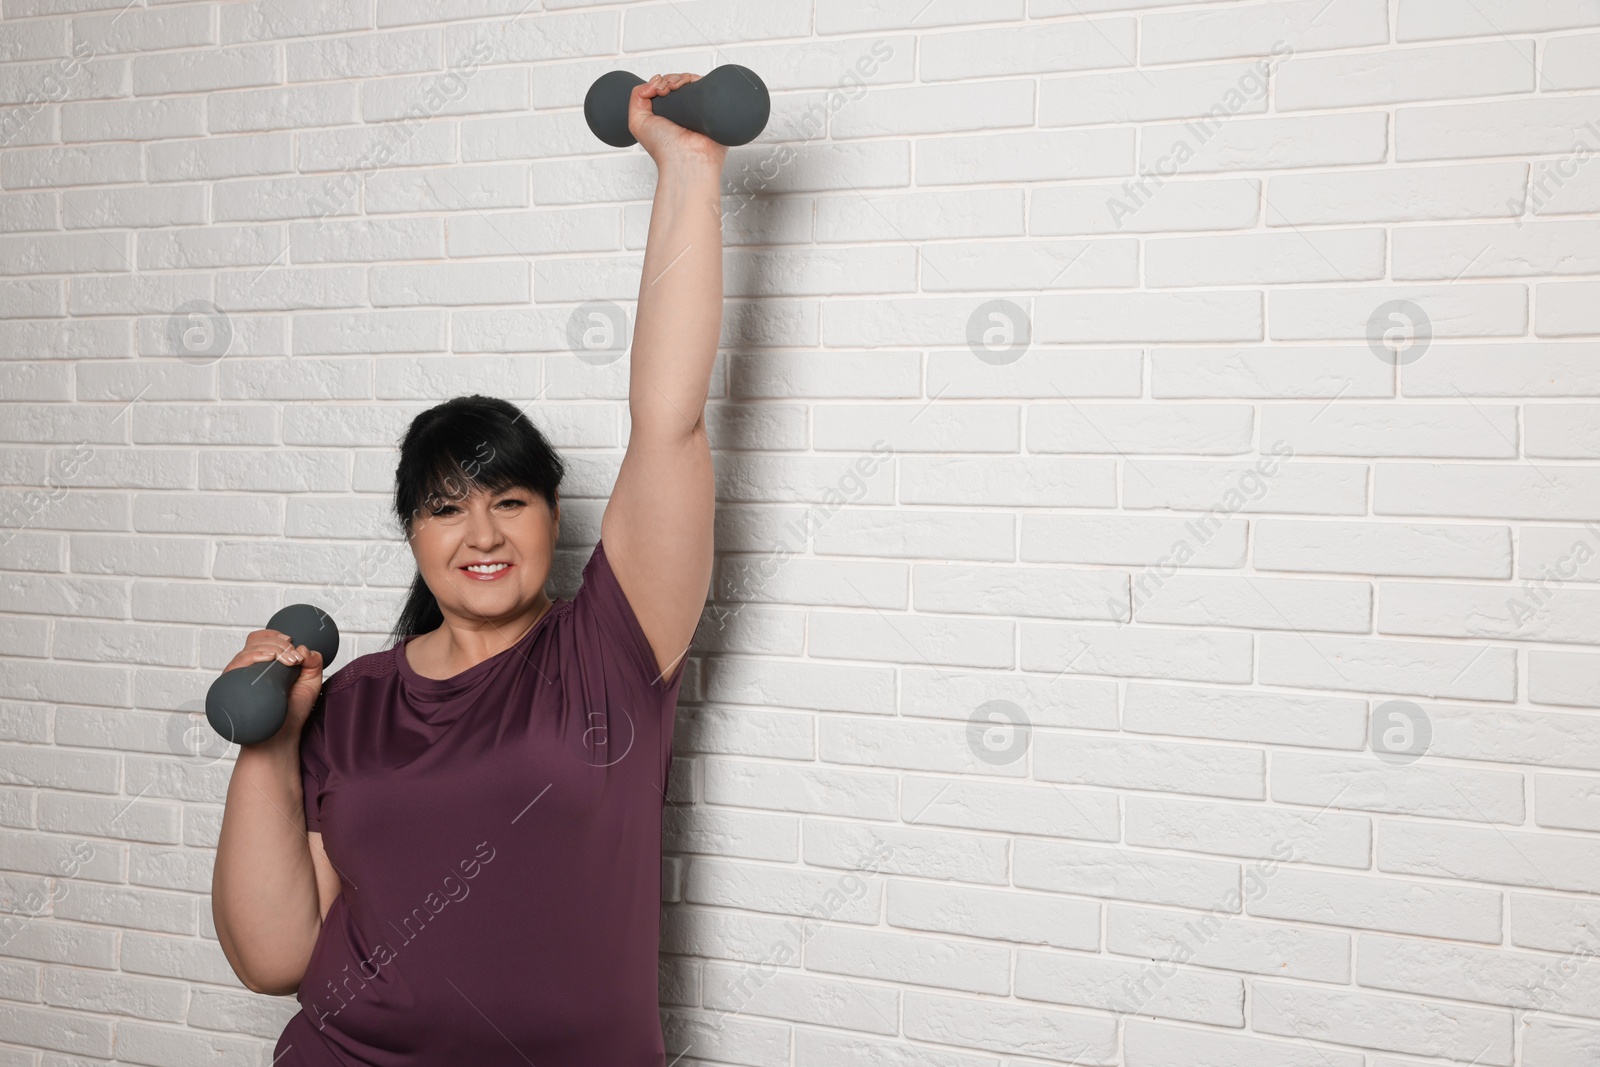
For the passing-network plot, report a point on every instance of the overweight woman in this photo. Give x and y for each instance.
(452, 851)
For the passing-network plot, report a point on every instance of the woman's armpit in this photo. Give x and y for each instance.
(327, 878)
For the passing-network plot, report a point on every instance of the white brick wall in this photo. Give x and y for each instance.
(1055, 683)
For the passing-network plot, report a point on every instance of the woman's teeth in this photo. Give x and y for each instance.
(488, 568)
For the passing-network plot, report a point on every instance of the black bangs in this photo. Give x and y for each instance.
(469, 443)
(450, 476)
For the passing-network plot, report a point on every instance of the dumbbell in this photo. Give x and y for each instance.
(730, 105)
(249, 703)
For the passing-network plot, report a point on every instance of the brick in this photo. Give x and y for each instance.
(1367, 784)
(851, 1005)
(1566, 801)
(1505, 370)
(1561, 431)
(1503, 857)
(1479, 431)
(1232, 944)
(1137, 652)
(1315, 256)
(1036, 592)
(1122, 428)
(1007, 1026)
(1091, 982)
(1132, 540)
(1045, 48)
(728, 883)
(1563, 678)
(1458, 310)
(1554, 923)
(1211, 145)
(1302, 25)
(923, 853)
(1249, 831)
(1487, 611)
(1143, 96)
(1028, 918)
(1484, 491)
(1426, 1028)
(1218, 489)
(1025, 157)
(1397, 194)
(1150, 1044)
(1432, 19)
(1512, 979)
(1409, 667)
(1144, 317)
(852, 16)
(1123, 874)
(1215, 204)
(913, 958)
(1049, 812)
(1407, 549)
(1241, 715)
(1493, 128)
(1571, 62)
(1568, 309)
(1210, 770)
(1268, 372)
(941, 694)
(1255, 603)
(1496, 251)
(1514, 736)
(1489, 69)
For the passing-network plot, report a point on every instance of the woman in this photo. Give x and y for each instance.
(480, 882)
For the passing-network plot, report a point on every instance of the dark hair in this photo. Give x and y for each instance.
(466, 443)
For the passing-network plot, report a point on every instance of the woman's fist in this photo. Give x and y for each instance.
(665, 140)
(263, 645)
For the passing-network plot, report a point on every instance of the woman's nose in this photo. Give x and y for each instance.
(482, 530)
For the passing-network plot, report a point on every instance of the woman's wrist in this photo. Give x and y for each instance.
(281, 752)
(691, 166)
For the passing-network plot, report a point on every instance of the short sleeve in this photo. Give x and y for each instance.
(604, 611)
(313, 765)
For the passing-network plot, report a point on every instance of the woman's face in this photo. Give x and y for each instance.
(514, 527)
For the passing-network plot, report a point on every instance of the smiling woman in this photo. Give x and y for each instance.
(499, 715)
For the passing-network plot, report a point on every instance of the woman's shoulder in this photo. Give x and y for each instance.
(373, 664)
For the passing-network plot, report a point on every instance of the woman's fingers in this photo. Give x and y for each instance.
(662, 84)
(279, 647)
(263, 646)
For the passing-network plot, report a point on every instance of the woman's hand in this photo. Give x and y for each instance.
(666, 141)
(263, 645)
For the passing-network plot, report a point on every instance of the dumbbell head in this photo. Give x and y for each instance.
(605, 107)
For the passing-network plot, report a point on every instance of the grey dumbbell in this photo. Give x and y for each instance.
(730, 105)
(249, 703)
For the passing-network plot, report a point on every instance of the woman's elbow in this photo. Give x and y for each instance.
(273, 978)
(279, 985)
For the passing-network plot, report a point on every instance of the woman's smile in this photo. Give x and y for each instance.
(486, 572)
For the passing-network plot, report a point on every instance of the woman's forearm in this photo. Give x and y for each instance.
(264, 885)
(680, 299)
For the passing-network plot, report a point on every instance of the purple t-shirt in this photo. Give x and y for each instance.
(498, 841)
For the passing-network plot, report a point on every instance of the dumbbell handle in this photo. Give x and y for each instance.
(249, 703)
(730, 105)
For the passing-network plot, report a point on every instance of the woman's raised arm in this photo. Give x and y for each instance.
(657, 525)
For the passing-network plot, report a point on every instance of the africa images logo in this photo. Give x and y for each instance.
(411, 927)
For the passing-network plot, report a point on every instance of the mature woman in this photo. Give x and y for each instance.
(453, 851)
